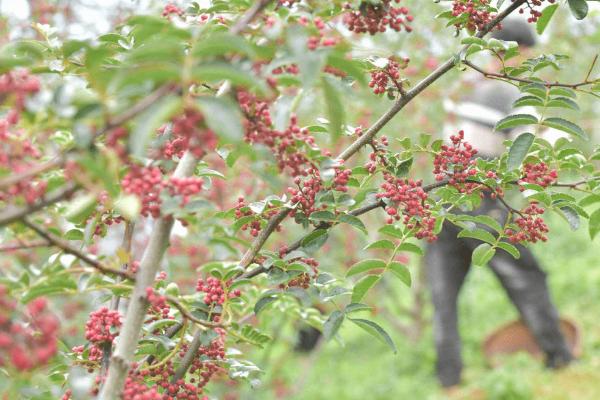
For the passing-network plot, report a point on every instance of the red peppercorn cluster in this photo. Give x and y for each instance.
(28, 344)
(19, 84)
(17, 153)
(185, 187)
(539, 174)
(291, 69)
(171, 9)
(115, 139)
(306, 192)
(158, 304)
(407, 198)
(382, 77)
(242, 210)
(188, 132)
(287, 145)
(456, 163)
(146, 183)
(202, 369)
(478, 13)
(377, 17)
(534, 13)
(135, 388)
(340, 181)
(320, 39)
(303, 280)
(102, 325)
(215, 291)
(531, 227)
(377, 157)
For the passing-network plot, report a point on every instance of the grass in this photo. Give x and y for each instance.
(363, 368)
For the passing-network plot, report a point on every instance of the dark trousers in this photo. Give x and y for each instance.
(447, 264)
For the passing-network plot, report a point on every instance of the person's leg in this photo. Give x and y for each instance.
(447, 263)
(525, 283)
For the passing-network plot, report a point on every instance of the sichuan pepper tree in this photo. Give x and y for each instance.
(187, 119)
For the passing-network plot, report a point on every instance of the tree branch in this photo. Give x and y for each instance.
(368, 136)
(137, 108)
(32, 171)
(186, 314)
(149, 264)
(249, 16)
(13, 213)
(505, 77)
(138, 304)
(114, 302)
(67, 248)
(189, 357)
(24, 245)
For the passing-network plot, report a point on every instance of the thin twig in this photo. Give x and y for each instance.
(67, 248)
(114, 302)
(149, 265)
(24, 245)
(30, 172)
(495, 75)
(13, 213)
(368, 136)
(186, 314)
(137, 108)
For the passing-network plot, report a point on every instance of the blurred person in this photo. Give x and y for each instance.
(448, 260)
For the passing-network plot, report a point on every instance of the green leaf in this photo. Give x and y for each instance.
(356, 307)
(222, 43)
(381, 244)
(53, 285)
(571, 216)
(149, 121)
(545, 18)
(322, 216)
(222, 116)
(351, 67)
(579, 8)
(335, 108)
(392, 231)
(477, 234)
(528, 100)
(515, 120)
(216, 72)
(74, 234)
(81, 208)
(564, 92)
(594, 224)
(377, 331)
(365, 265)
(509, 248)
(519, 149)
(482, 254)
(333, 324)
(474, 40)
(314, 240)
(488, 221)
(410, 247)
(565, 126)
(563, 102)
(263, 302)
(354, 221)
(362, 287)
(401, 272)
